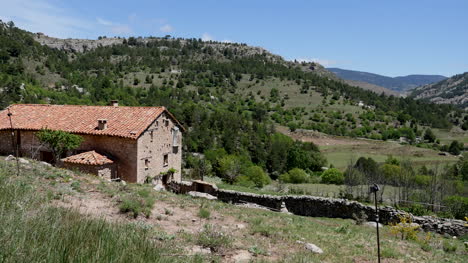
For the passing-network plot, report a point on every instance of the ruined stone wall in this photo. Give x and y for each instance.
(106, 171)
(341, 208)
(153, 144)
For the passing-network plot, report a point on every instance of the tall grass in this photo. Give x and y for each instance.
(32, 231)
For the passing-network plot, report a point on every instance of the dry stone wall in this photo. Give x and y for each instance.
(333, 208)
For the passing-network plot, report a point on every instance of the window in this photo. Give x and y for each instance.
(152, 135)
(166, 123)
(166, 160)
(175, 138)
(147, 164)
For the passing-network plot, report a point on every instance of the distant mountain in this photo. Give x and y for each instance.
(400, 84)
(453, 90)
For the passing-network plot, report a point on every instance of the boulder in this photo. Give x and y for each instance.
(23, 161)
(45, 164)
(309, 246)
(10, 158)
(313, 248)
(199, 250)
(202, 195)
(372, 224)
(242, 256)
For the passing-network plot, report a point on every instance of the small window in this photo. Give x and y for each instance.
(147, 164)
(166, 160)
(166, 123)
(152, 135)
(157, 123)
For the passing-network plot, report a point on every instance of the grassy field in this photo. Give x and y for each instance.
(342, 155)
(54, 215)
(447, 136)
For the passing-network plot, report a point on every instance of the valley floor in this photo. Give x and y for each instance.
(55, 215)
(343, 151)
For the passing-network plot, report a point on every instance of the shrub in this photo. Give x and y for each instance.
(457, 205)
(295, 176)
(213, 239)
(257, 176)
(405, 228)
(204, 213)
(332, 176)
(136, 204)
(449, 246)
(244, 181)
(360, 218)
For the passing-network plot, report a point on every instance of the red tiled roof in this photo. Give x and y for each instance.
(89, 158)
(127, 122)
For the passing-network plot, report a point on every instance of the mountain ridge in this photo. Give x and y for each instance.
(453, 90)
(400, 83)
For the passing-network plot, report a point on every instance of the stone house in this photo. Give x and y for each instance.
(130, 143)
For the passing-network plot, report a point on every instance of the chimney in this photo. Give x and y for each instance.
(114, 103)
(102, 124)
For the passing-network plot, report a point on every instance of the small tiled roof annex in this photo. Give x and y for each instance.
(89, 158)
(127, 122)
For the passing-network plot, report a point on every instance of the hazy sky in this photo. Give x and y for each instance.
(393, 37)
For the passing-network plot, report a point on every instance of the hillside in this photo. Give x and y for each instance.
(399, 84)
(453, 90)
(55, 215)
(230, 96)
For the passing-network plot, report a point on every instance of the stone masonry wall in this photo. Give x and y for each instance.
(153, 144)
(333, 208)
(5, 143)
(123, 151)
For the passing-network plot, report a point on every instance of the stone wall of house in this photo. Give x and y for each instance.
(156, 142)
(5, 143)
(106, 171)
(122, 151)
(328, 207)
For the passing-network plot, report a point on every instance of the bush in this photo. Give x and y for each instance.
(294, 176)
(244, 181)
(257, 176)
(204, 213)
(457, 206)
(449, 246)
(332, 176)
(213, 239)
(136, 204)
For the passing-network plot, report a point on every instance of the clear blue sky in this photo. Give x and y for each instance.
(394, 37)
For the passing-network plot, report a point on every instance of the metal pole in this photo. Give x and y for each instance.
(15, 147)
(377, 225)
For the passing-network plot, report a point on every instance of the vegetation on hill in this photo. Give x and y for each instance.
(219, 91)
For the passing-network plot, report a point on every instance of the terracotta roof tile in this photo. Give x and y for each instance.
(89, 158)
(127, 122)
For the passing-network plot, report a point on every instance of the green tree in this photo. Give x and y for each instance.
(256, 175)
(230, 167)
(429, 136)
(294, 176)
(455, 147)
(59, 141)
(332, 176)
